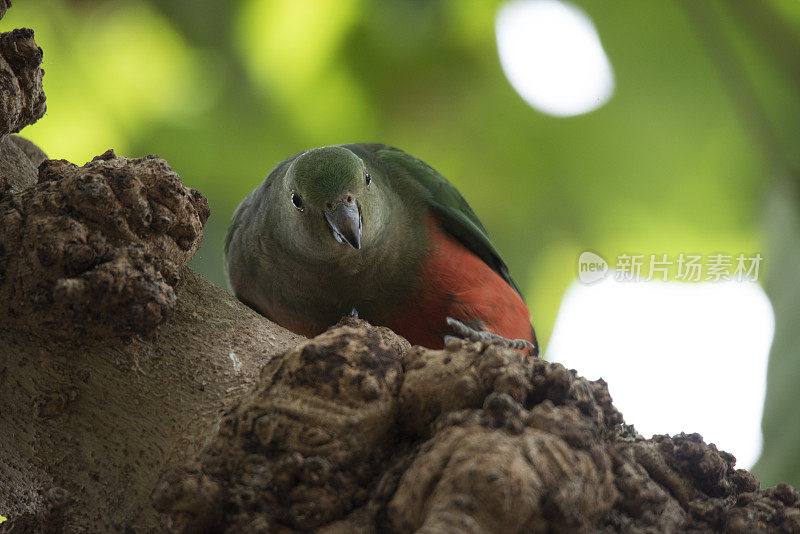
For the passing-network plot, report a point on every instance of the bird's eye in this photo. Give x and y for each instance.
(297, 201)
(368, 178)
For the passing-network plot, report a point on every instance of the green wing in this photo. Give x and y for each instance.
(457, 217)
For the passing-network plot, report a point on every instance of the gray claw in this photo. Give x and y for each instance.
(465, 332)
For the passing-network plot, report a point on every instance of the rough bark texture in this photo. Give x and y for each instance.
(355, 430)
(97, 249)
(23, 100)
(130, 384)
(89, 256)
(115, 361)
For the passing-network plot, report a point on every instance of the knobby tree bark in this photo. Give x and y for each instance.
(138, 397)
(115, 358)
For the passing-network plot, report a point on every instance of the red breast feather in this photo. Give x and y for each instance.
(454, 282)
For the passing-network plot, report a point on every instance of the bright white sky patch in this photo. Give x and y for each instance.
(677, 356)
(551, 54)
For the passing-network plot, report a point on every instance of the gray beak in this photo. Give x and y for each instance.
(345, 222)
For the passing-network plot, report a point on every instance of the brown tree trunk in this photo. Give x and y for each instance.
(115, 361)
(101, 420)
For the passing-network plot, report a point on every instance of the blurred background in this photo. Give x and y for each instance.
(612, 127)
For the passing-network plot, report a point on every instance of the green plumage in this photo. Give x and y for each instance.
(456, 215)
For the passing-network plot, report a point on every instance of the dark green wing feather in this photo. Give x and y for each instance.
(457, 217)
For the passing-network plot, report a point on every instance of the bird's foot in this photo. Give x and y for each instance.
(468, 333)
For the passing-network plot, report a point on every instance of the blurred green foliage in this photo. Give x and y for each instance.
(224, 90)
(780, 457)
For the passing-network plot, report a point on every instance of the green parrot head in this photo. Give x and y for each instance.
(327, 194)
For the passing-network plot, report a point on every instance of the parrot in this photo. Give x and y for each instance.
(368, 229)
